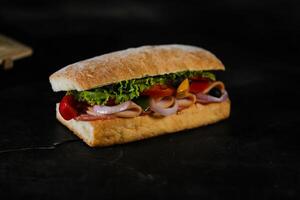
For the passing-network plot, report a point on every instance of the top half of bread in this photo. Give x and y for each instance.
(133, 63)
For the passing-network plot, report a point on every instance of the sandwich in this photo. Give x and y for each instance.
(139, 93)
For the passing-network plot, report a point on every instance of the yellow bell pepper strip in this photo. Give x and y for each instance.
(183, 89)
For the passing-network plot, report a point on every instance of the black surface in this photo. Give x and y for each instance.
(252, 155)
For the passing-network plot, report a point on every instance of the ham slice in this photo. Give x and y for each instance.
(133, 110)
(205, 98)
(215, 84)
(126, 110)
(186, 101)
(164, 105)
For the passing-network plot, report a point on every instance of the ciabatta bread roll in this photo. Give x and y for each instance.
(96, 93)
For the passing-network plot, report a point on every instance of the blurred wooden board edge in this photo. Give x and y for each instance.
(11, 50)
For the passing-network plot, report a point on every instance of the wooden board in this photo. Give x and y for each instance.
(11, 50)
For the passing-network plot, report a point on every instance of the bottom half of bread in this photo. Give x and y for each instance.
(122, 130)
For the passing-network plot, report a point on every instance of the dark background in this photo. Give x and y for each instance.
(252, 155)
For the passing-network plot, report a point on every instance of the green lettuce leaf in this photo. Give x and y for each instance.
(131, 89)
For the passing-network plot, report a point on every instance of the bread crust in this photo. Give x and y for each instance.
(123, 130)
(131, 64)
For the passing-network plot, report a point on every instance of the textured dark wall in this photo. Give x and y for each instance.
(262, 26)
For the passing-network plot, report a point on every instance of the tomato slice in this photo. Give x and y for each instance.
(67, 107)
(198, 86)
(159, 91)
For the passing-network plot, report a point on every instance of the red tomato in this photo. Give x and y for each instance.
(67, 107)
(159, 91)
(198, 86)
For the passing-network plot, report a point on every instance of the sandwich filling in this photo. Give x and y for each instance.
(160, 95)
